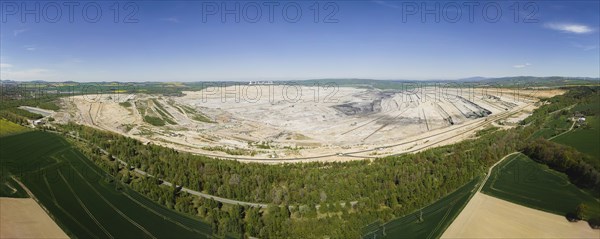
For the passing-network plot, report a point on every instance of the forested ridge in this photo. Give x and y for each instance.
(385, 188)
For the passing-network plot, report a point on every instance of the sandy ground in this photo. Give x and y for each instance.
(24, 218)
(348, 124)
(490, 217)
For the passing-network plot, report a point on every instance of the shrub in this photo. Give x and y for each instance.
(154, 120)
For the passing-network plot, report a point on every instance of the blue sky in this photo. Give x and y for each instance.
(188, 41)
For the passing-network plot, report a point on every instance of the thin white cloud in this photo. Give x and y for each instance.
(5, 65)
(585, 47)
(385, 4)
(29, 74)
(522, 65)
(170, 19)
(569, 28)
(19, 31)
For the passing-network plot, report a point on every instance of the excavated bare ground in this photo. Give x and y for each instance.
(280, 123)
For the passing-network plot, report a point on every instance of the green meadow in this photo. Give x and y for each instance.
(521, 180)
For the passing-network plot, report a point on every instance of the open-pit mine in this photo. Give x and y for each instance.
(278, 123)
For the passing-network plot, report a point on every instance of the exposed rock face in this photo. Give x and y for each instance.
(368, 102)
(359, 108)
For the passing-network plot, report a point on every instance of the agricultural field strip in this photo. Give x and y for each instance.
(111, 205)
(81, 203)
(493, 184)
(160, 215)
(444, 218)
(31, 195)
(476, 191)
(57, 204)
(492, 167)
(87, 211)
(492, 188)
(437, 206)
(66, 212)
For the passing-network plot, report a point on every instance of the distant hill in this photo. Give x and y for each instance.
(540, 81)
(553, 81)
(395, 84)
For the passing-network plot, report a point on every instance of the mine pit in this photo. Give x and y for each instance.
(349, 122)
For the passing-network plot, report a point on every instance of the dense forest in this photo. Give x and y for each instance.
(315, 199)
(567, 160)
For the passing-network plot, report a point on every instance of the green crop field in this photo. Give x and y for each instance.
(9, 128)
(436, 217)
(524, 181)
(585, 139)
(8, 187)
(553, 125)
(80, 196)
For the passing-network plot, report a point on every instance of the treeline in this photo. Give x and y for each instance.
(45, 102)
(9, 105)
(18, 116)
(567, 160)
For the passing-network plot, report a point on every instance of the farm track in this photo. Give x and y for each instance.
(487, 176)
(63, 210)
(87, 211)
(570, 129)
(162, 216)
(113, 206)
